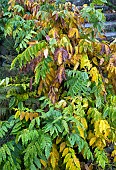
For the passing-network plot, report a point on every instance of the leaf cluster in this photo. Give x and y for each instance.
(63, 103)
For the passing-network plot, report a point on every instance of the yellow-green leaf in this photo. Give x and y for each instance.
(65, 152)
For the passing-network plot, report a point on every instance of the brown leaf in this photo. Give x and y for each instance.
(61, 55)
(62, 146)
(30, 84)
(102, 49)
(61, 74)
(107, 49)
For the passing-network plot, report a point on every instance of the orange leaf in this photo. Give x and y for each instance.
(22, 115)
(27, 115)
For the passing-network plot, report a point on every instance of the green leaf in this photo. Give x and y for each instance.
(20, 105)
(32, 167)
(65, 126)
(12, 102)
(38, 121)
(37, 162)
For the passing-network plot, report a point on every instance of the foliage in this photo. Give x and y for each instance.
(62, 102)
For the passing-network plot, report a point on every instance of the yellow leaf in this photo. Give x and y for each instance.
(43, 162)
(80, 49)
(85, 5)
(76, 49)
(53, 32)
(113, 153)
(67, 157)
(81, 131)
(58, 140)
(92, 141)
(53, 161)
(62, 146)
(76, 65)
(54, 156)
(94, 74)
(99, 143)
(84, 122)
(72, 166)
(65, 152)
(94, 59)
(49, 76)
(27, 115)
(76, 161)
(90, 134)
(55, 152)
(17, 114)
(85, 103)
(104, 128)
(40, 88)
(72, 32)
(85, 62)
(69, 163)
(114, 159)
(60, 59)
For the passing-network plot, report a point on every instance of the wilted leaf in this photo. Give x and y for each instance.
(61, 74)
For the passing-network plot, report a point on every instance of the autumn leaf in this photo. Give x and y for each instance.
(92, 141)
(69, 163)
(104, 128)
(85, 62)
(81, 131)
(84, 122)
(94, 74)
(22, 115)
(65, 152)
(76, 161)
(43, 162)
(60, 55)
(58, 140)
(72, 32)
(61, 74)
(27, 116)
(54, 157)
(62, 146)
(67, 157)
